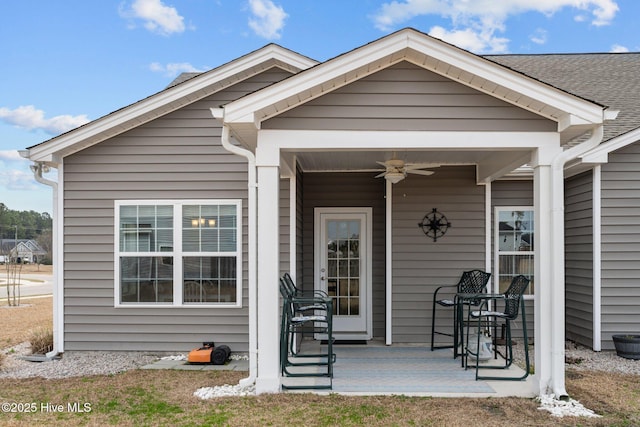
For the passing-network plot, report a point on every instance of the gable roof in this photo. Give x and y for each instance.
(177, 95)
(573, 114)
(571, 89)
(611, 79)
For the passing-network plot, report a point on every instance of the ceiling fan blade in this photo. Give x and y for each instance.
(382, 164)
(414, 166)
(381, 174)
(421, 172)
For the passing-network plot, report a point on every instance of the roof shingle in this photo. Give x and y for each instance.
(611, 79)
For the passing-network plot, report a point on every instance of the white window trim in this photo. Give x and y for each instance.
(177, 253)
(496, 244)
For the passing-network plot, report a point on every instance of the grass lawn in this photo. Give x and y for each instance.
(137, 398)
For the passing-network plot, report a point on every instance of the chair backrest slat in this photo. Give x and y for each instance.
(473, 282)
(513, 295)
(288, 282)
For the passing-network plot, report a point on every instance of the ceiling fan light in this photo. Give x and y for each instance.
(394, 177)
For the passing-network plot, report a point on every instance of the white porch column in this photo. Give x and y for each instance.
(549, 271)
(542, 274)
(268, 379)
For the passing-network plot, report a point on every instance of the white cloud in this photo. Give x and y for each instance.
(172, 69)
(14, 172)
(539, 36)
(604, 13)
(616, 48)
(18, 180)
(481, 19)
(10, 155)
(267, 19)
(471, 40)
(157, 17)
(30, 118)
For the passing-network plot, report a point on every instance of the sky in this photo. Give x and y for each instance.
(65, 63)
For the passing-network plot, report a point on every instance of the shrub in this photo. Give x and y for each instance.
(41, 341)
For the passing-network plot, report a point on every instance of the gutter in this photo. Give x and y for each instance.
(218, 114)
(58, 302)
(557, 274)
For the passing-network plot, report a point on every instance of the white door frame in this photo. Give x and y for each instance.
(366, 269)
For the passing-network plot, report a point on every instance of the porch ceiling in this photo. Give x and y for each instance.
(365, 161)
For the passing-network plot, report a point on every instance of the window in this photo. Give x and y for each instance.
(514, 231)
(183, 253)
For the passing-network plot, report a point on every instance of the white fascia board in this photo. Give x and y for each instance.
(336, 140)
(571, 120)
(243, 110)
(600, 154)
(161, 103)
(292, 59)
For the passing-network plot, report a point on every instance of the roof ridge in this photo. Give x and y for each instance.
(560, 54)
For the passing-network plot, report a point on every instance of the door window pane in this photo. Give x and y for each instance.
(343, 265)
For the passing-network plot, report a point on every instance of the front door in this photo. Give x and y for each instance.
(343, 268)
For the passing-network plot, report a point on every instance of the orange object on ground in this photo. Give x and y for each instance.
(203, 354)
(209, 353)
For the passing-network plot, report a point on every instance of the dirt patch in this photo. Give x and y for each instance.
(36, 269)
(19, 322)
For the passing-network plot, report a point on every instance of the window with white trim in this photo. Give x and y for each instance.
(514, 240)
(178, 253)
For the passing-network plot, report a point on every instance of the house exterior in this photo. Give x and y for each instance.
(175, 216)
(22, 251)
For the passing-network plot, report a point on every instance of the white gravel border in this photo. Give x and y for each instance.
(564, 408)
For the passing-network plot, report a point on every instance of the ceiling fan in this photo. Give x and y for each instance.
(396, 170)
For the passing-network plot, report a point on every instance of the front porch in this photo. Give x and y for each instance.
(406, 99)
(412, 370)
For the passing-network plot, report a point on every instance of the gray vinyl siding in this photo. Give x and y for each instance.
(407, 97)
(177, 156)
(299, 221)
(420, 265)
(285, 246)
(347, 190)
(579, 258)
(621, 244)
(512, 193)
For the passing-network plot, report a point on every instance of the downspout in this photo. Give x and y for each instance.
(597, 256)
(218, 114)
(388, 262)
(557, 274)
(58, 308)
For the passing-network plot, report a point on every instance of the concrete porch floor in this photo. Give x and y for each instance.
(411, 370)
(377, 369)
